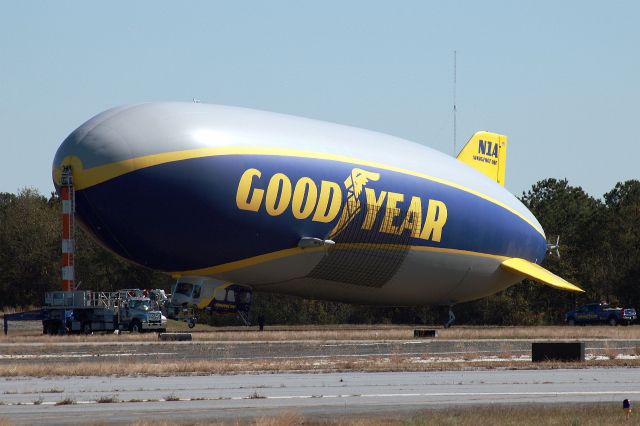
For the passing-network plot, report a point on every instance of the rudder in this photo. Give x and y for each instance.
(487, 153)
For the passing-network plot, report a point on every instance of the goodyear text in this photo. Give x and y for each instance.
(322, 202)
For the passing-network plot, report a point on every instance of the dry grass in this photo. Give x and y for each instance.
(381, 332)
(206, 333)
(222, 365)
(66, 401)
(14, 309)
(290, 418)
(52, 390)
(108, 399)
(529, 415)
(33, 336)
(518, 415)
(337, 364)
(151, 422)
(256, 395)
(541, 332)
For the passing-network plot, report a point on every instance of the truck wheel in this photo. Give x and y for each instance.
(86, 327)
(191, 322)
(53, 328)
(613, 321)
(135, 327)
(571, 321)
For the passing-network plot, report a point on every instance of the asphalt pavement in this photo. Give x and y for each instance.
(247, 396)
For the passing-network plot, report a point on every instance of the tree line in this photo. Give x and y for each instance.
(599, 250)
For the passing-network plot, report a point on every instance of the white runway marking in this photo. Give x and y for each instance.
(371, 395)
(72, 355)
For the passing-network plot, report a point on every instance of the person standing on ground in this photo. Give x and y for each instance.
(626, 406)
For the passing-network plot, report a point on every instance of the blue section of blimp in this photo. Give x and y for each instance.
(183, 215)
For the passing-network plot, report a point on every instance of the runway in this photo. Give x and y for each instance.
(247, 396)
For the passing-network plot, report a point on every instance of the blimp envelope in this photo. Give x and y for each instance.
(298, 206)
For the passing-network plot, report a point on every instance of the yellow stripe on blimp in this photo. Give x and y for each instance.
(85, 178)
(256, 260)
(514, 264)
(538, 273)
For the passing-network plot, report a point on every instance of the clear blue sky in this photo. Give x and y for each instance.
(559, 78)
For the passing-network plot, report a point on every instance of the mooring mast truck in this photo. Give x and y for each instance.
(73, 311)
(88, 311)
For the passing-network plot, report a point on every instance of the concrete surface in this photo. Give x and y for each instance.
(247, 396)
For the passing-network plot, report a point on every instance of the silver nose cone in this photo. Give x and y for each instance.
(95, 143)
(112, 142)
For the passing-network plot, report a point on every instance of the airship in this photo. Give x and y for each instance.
(226, 197)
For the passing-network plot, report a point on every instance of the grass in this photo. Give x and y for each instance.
(289, 418)
(52, 390)
(174, 365)
(14, 309)
(529, 415)
(517, 415)
(66, 401)
(256, 395)
(206, 333)
(336, 364)
(108, 399)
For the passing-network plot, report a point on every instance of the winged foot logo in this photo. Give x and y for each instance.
(323, 202)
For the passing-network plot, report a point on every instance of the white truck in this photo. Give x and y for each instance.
(88, 311)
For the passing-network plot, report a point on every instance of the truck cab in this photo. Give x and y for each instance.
(137, 315)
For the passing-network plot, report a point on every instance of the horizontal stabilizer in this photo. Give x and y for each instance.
(538, 273)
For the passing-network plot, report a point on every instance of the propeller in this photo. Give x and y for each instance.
(551, 248)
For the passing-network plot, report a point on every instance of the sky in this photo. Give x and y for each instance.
(560, 79)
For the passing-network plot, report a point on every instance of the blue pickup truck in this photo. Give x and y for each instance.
(597, 313)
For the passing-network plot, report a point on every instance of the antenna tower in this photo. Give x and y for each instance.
(454, 103)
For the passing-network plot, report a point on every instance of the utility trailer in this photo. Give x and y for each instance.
(87, 311)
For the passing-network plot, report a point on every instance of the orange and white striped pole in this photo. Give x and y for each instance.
(68, 230)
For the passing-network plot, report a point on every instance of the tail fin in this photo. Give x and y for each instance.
(486, 152)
